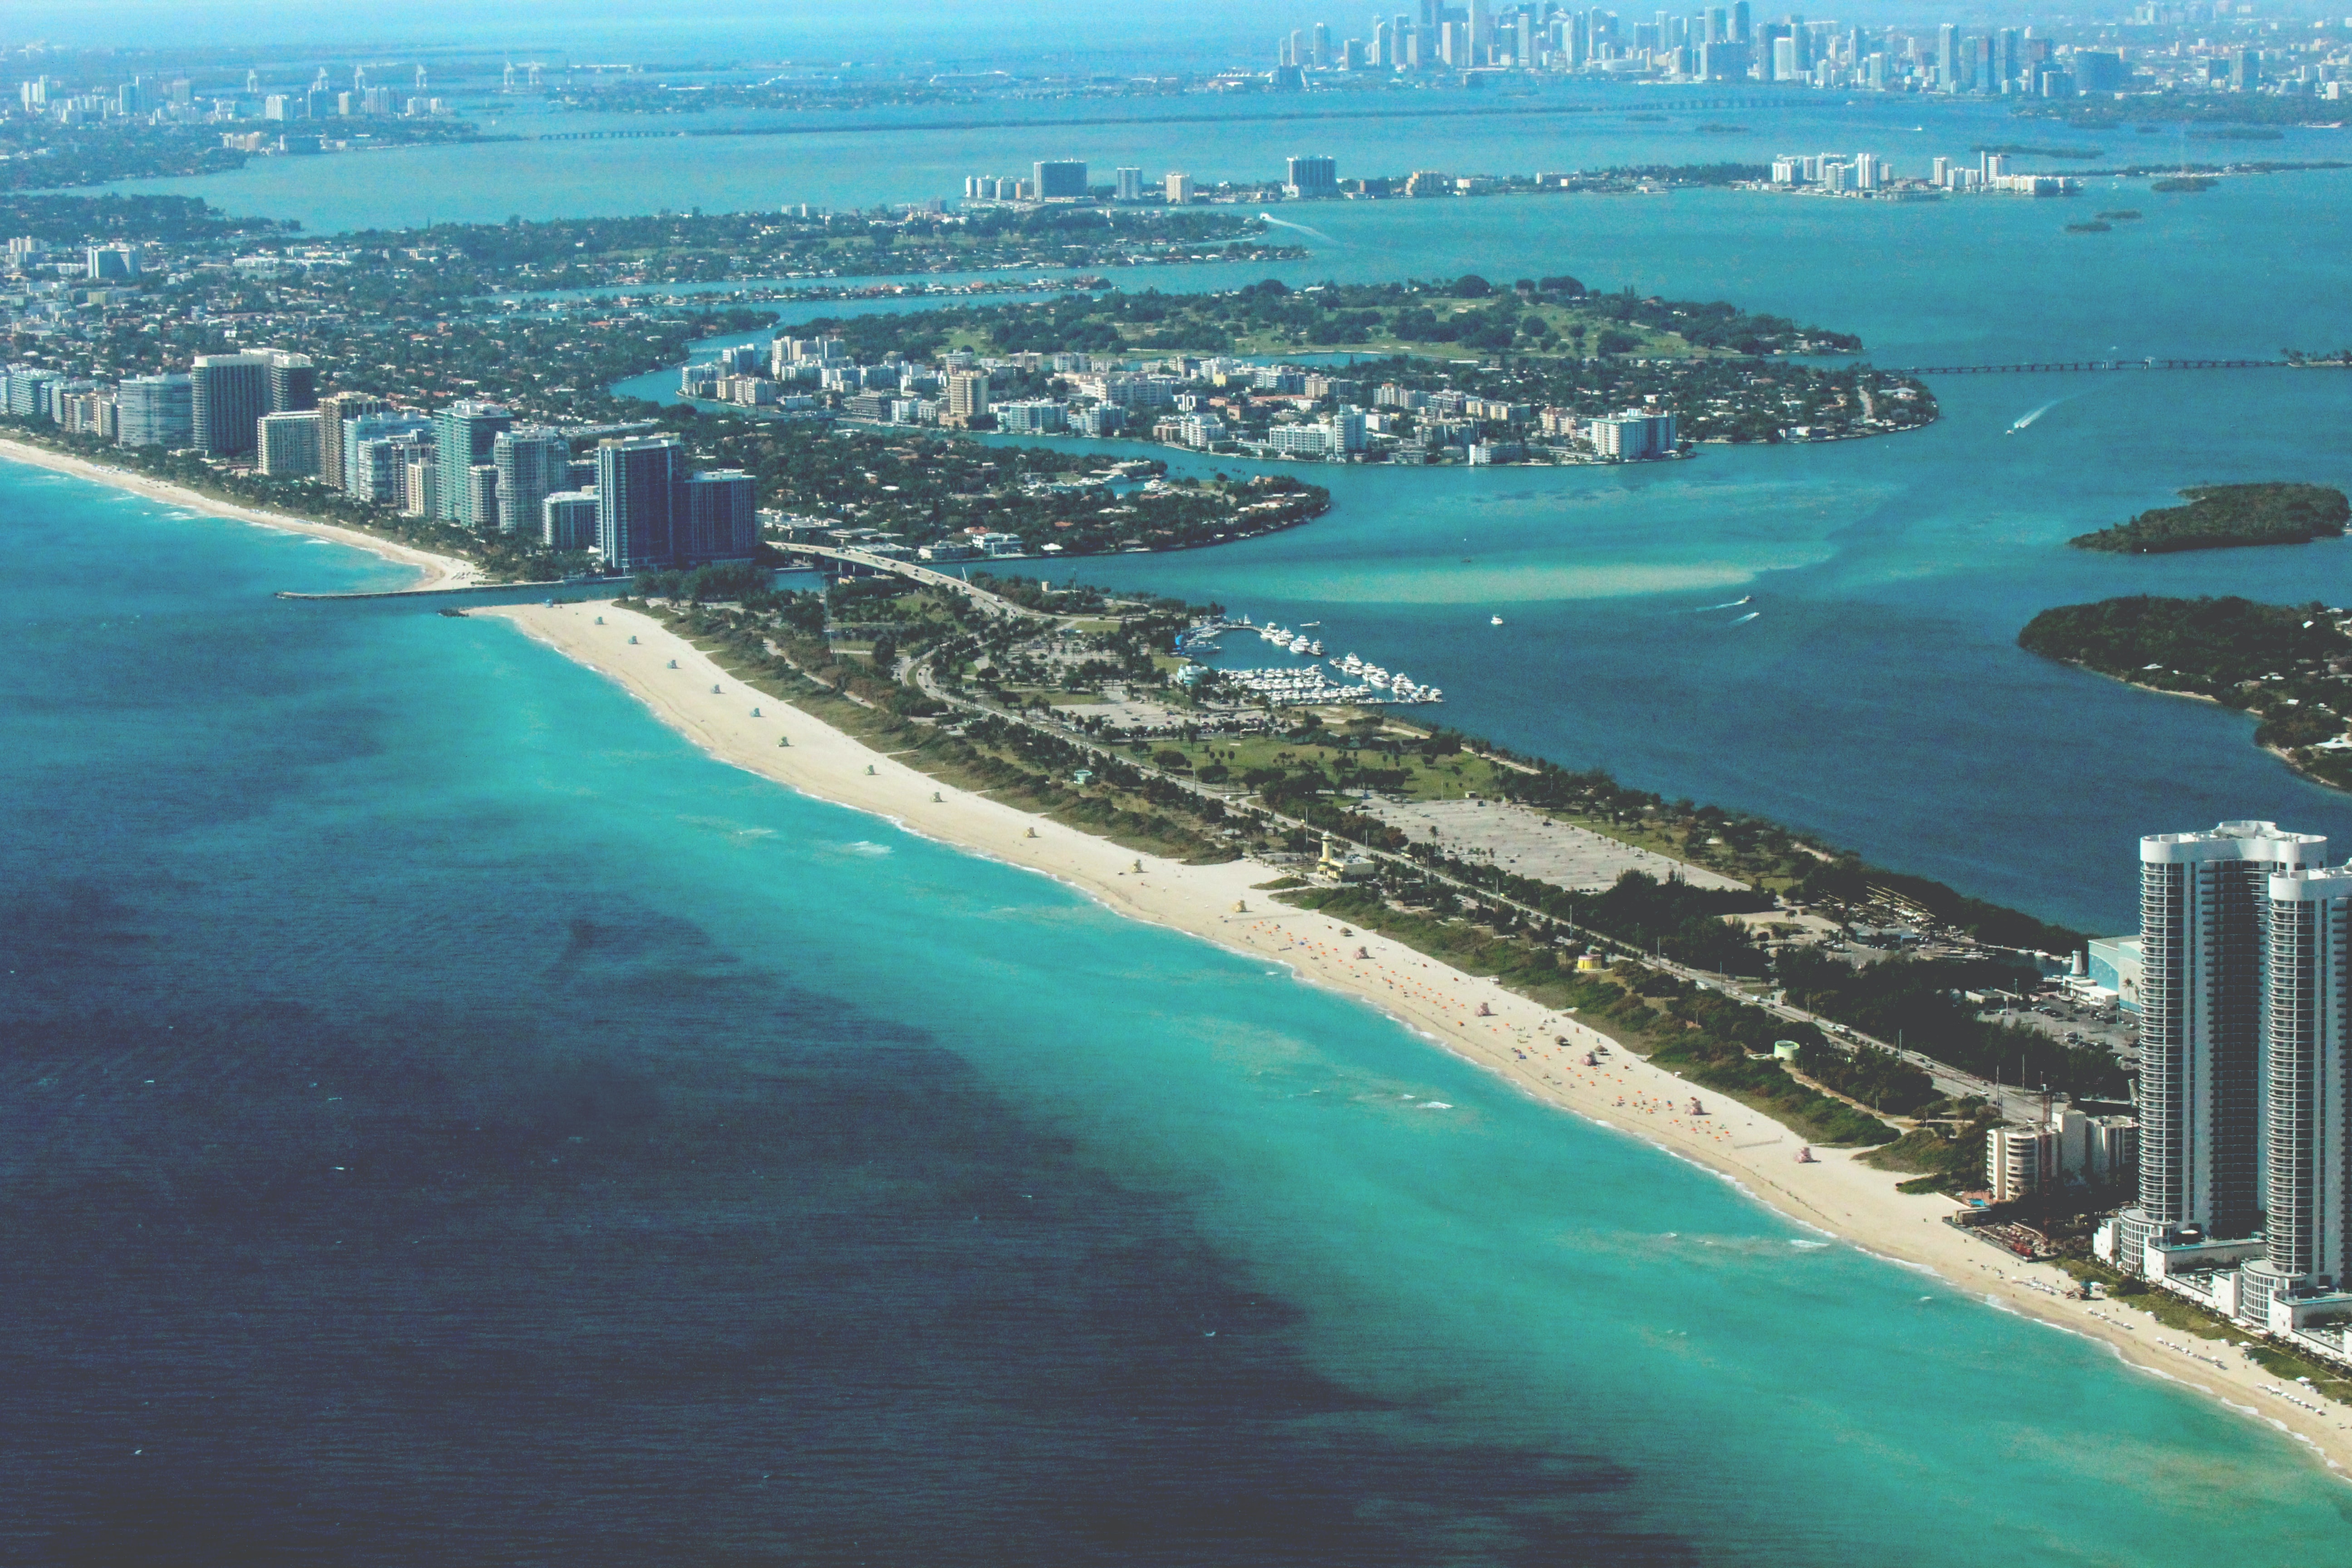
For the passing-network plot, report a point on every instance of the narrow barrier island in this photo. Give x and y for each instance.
(2289, 665)
(2222, 517)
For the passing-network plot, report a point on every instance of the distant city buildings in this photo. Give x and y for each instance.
(2169, 48)
(335, 415)
(1309, 179)
(1058, 180)
(112, 263)
(1030, 416)
(639, 486)
(2067, 1144)
(1631, 436)
(1867, 174)
(967, 396)
(378, 449)
(568, 520)
(528, 463)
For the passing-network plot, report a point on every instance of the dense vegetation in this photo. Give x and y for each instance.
(2190, 107)
(68, 221)
(1555, 315)
(1921, 1001)
(474, 259)
(2292, 665)
(40, 154)
(2203, 644)
(2221, 516)
(554, 368)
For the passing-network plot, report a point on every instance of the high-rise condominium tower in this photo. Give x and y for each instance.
(2204, 921)
(230, 392)
(533, 462)
(464, 433)
(2306, 1075)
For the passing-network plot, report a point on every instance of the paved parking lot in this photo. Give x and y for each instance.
(1533, 845)
(2110, 1028)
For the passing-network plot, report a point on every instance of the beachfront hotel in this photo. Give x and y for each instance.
(2245, 1143)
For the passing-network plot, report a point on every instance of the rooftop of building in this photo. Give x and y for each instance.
(2236, 841)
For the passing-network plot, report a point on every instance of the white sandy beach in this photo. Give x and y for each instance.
(439, 571)
(1515, 1039)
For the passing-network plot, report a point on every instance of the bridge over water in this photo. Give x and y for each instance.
(2054, 367)
(866, 560)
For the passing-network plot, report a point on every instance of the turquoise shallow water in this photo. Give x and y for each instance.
(446, 1115)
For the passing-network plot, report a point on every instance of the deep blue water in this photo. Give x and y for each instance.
(444, 1117)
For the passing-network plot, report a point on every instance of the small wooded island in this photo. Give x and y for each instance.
(2289, 665)
(2222, 517)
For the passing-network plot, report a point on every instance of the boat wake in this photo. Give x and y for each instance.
(2031, 417)
(1743, 620)
(1284, 223)
(1735, 604)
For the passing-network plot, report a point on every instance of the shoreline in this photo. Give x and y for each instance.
(1836, 1195)
(1220, 904)
(439, 571)
(2285, 759)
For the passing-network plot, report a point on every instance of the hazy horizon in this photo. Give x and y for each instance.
(747, 30)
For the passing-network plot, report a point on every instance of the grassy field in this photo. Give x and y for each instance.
(1357, 750)
(1352, 745)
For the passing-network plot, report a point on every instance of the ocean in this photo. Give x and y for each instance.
(446, 1116)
